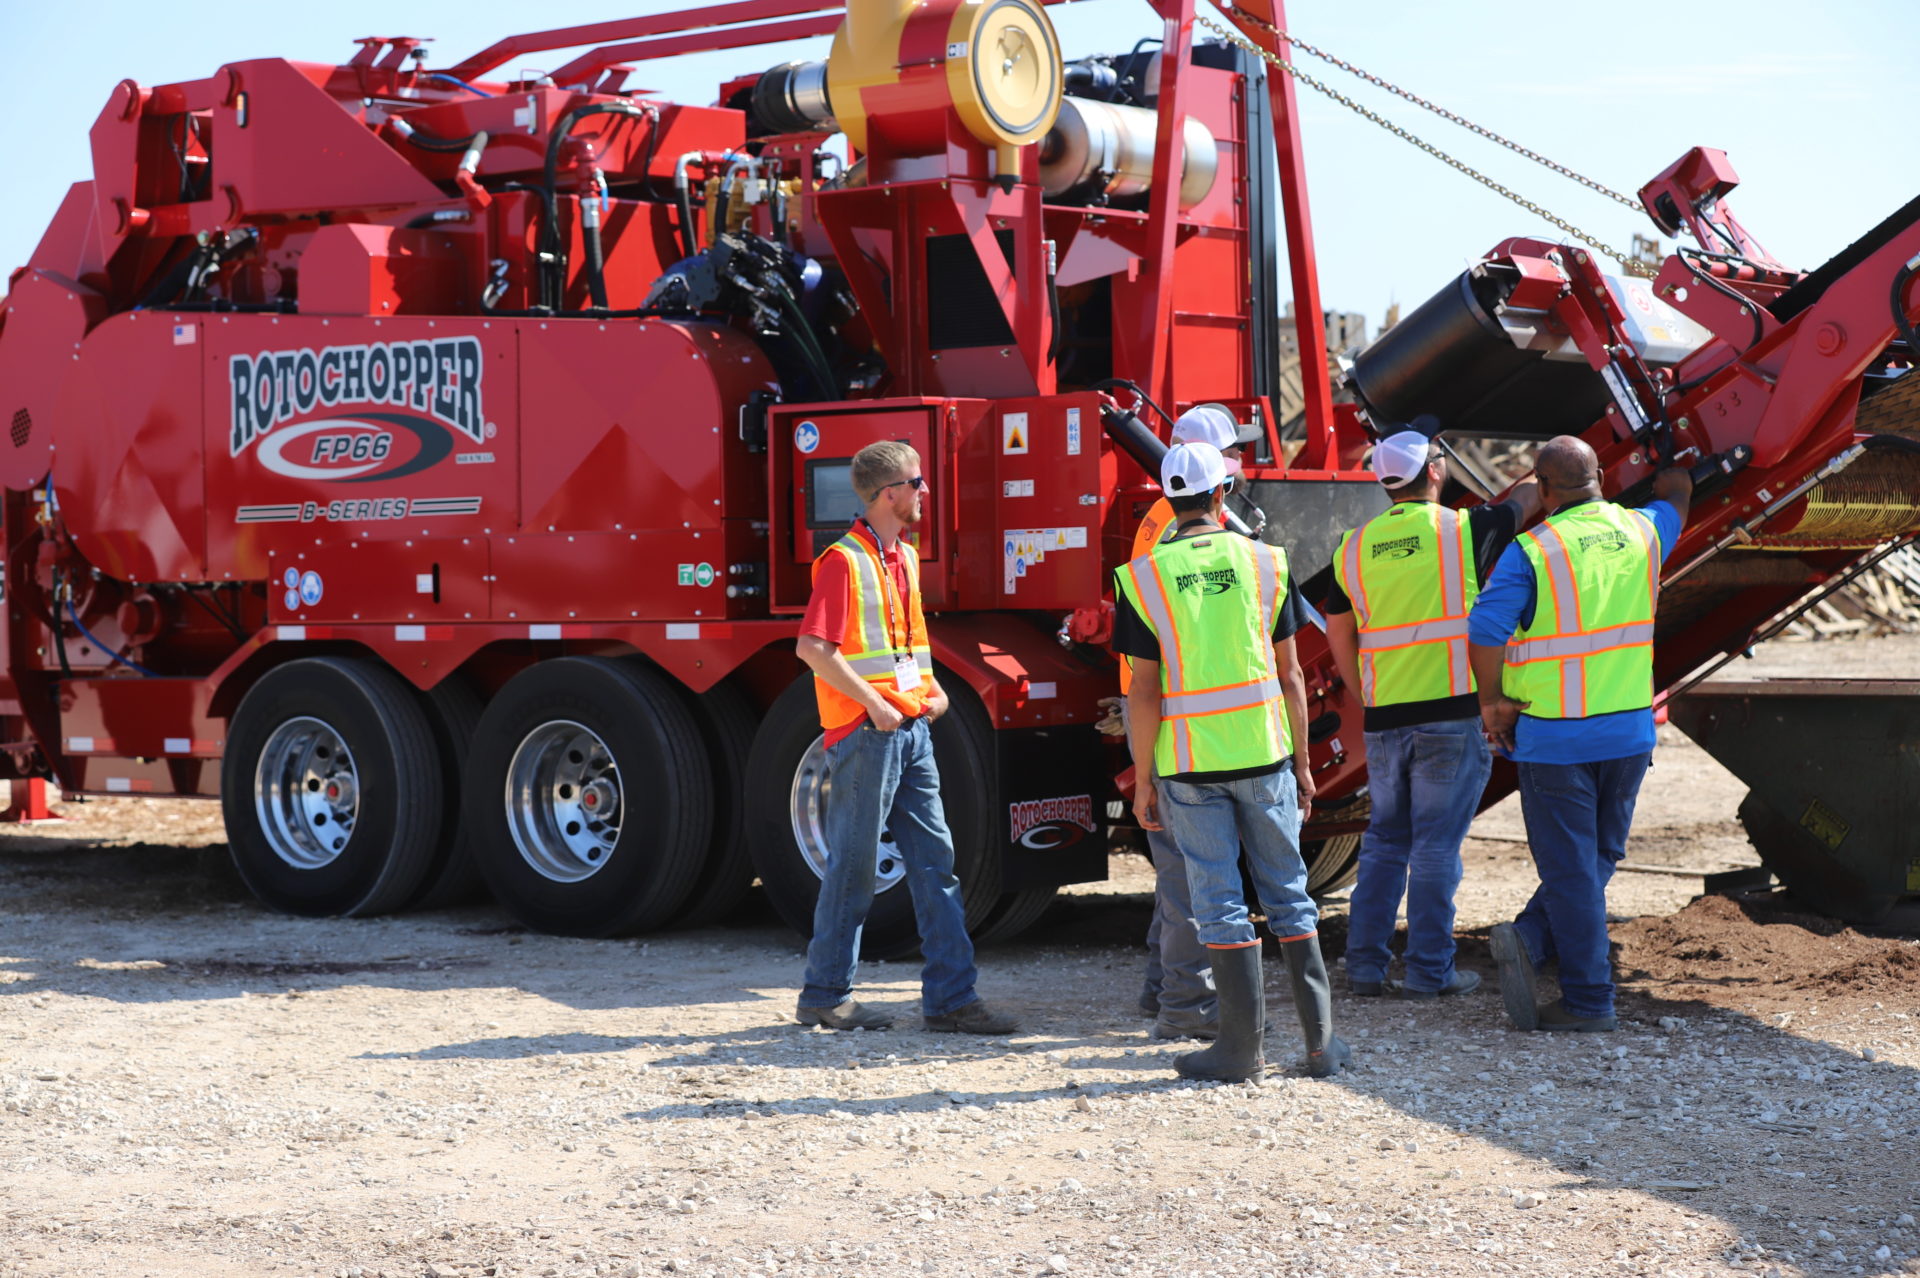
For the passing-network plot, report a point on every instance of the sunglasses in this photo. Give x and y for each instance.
(917, 483)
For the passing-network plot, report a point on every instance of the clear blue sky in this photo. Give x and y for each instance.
(1814, 104)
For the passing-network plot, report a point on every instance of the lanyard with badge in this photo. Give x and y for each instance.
(906, 669)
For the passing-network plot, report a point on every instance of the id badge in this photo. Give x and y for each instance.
(906, 674)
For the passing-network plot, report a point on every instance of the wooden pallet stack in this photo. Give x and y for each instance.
(1884, 601)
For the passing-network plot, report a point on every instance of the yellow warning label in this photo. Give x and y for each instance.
(1913, 875)
(1824, 824)
(1013, 438)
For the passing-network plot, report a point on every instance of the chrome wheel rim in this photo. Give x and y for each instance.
(564, 801)
(812, 791)
(306, 793)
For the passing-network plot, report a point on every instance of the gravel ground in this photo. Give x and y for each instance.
(192, 1086)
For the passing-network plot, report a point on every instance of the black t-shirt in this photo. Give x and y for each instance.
(1133, 637)
(1490, 530)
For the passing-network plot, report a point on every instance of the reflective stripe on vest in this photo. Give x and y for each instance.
(873, 644)
(1589, 650)
(1411, 610)
(1212, 601)
(1156, 526)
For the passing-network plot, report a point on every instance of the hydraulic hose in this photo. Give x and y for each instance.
(425, 140)
(1146, 399)
(1127, 431)
(820, 366)
(1132, 437)
(596, 257)
(551, 263)
(59, 638)
(1901, 278)
(683, 200)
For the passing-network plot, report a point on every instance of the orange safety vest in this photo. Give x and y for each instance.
(1155, 527)
(882, 629)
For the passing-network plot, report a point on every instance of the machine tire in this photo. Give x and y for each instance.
(726, 720)
(963, 752)
(1332, 863)
(580, 733)
(282, 776)
(1014, 913)
(453, 713)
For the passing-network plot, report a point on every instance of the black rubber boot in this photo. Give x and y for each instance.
(1237, 1056)
(1313, 999)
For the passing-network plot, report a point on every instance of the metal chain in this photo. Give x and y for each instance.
(1627, 263)
(1235, 11)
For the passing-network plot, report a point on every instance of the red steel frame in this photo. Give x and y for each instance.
(140, 507)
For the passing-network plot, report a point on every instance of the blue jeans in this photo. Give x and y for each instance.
(1577, 818)
(1179, 972)
(1425, 782)
(887, 782)
(1209, 821)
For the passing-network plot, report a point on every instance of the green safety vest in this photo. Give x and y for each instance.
(1409, 573)
(1589, 650)
(1212, 601)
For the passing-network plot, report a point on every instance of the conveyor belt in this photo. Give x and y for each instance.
(1809, 290)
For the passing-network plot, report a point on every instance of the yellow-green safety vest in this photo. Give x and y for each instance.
(1409, 574)
(1589, 649)
(1212, 601)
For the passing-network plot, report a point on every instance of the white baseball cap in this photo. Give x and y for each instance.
(1191, 469)
(1213, 424)
(1401, 458)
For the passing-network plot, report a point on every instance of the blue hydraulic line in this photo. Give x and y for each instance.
(128, 662)
(456, 80)
(81, 626)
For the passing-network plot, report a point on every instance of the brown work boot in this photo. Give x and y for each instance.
(848, 1016)
(1555, 1016)
(974, 1018)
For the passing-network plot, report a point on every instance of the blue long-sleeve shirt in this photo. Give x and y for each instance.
(1505, 606)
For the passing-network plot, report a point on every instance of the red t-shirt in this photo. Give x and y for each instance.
(826, 615)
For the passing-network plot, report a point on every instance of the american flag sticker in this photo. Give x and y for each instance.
(185, 334)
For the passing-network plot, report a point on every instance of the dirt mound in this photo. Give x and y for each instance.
(1739, 953)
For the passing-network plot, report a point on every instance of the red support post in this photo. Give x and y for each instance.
(1308, 319)
(1163, 200)
(27, 802)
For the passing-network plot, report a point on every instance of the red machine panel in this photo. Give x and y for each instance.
(419, 579)
(135, 496)
(631, 424)
(47, 317)
(1044, 550)
(810, 448)
(624, 576)
(320, 431)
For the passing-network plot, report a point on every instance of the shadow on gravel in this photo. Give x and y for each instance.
(1716, 1109)
(497, 1049)
(922, 1103)
(149, 923)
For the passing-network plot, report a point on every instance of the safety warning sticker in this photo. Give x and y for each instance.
(1073, 432)
(1014, 436)
(1023, 549)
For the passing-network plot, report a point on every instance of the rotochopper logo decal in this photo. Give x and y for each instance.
(439, 380)
(1045, 824)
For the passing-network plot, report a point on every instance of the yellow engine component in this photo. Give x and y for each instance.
(1002, 77)
(1872, 501)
